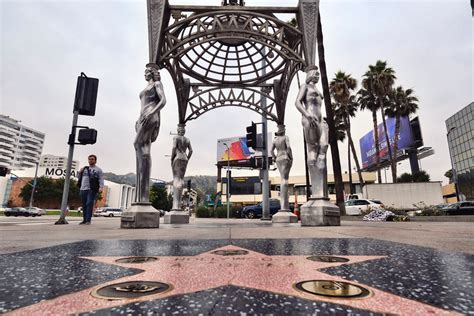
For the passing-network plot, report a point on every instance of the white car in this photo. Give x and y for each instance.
(108, 212)
(359, 206)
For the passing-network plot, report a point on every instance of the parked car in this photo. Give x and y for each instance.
(255, 211)
(108, 212)
(21, 211)
(357, 207)
(37, 209)
(460, 208)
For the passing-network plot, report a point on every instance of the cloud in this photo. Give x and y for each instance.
(47, 44)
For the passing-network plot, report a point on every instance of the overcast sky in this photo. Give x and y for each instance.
(45, 45)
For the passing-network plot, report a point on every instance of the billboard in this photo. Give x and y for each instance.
(367, 142)
(238, 149)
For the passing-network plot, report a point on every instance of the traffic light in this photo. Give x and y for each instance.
(87, 136)
(86, 95)
(3, 171)
(252, 136)
(189, 185)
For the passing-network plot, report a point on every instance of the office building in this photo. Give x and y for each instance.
(20, 146)
(460, 134)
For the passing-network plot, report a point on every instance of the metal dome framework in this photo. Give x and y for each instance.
(231, 55)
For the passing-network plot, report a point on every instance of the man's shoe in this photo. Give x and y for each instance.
(82, 223)
(87, 223)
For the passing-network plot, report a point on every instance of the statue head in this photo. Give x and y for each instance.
(281, 130)
(181, 129)
(312, 74)
(152, 72)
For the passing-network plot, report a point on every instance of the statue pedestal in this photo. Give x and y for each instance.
(320, 212)
(176, 217)
(284, 216)
(140, 215)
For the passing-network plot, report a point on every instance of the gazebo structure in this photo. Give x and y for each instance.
(234, 55)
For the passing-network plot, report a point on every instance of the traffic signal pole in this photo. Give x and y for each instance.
(265, 187)
(67, 180)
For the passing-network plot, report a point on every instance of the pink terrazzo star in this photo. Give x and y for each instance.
(188, 274)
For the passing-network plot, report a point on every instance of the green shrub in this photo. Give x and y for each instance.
(203, 212)
(428, 210)
(235, 211)
(397, 211)
(221, 212)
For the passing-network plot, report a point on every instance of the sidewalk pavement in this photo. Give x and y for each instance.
(19, 234)
(235, 267)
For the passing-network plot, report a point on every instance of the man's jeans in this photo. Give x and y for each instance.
(88, 200)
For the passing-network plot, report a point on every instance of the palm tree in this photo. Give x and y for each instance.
(403, 103)
(339, 123)
(341, 88)
(336, 162)
(368, 100)
(379, 80)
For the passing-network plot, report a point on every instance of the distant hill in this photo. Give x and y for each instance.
(128, 178)
(203, 184)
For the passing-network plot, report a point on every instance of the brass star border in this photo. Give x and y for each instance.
(208, 270)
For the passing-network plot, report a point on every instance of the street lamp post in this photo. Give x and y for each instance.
(34, 185)
(455, 180)
(228, 181)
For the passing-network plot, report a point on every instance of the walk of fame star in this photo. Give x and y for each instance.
(189, 274)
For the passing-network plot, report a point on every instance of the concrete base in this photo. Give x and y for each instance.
(284, 216)
(320, 212)
(140, 215)
(176, 217)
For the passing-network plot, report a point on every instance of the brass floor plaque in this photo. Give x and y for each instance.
(332, 289)
(131, 289)
(136, 259)
(230, 252)
(327, 259)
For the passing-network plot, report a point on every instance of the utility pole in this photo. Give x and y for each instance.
(228, 180)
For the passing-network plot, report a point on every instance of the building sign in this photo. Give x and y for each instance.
(367, 142)
(50, 172)
(58, 173)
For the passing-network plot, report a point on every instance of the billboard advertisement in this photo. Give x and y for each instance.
(367, 142)
(238, 149)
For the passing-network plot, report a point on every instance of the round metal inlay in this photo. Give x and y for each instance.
(230, 252)
(332, 289)
(136, 259)
(131, 289)
(327, 259)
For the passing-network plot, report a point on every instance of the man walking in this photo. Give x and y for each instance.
(91, 179)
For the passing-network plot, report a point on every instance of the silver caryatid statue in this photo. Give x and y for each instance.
(147, 128)
(309, 103)
(179, 162)
(284, 161)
